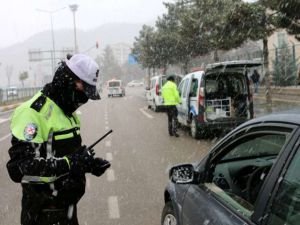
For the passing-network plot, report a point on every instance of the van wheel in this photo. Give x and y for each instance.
(194, 129)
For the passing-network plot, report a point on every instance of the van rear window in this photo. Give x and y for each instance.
(228, 82)
(114, 84)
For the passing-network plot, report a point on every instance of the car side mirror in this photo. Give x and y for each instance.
(184, 174)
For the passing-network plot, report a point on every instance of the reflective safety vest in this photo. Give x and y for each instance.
(41, 122)
(170, 94)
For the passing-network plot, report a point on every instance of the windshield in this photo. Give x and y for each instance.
(114, 84)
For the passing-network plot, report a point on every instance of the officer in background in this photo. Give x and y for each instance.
(171, 99)
(46, 155)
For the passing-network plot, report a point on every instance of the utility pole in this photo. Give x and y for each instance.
(52, 34)
(74, 8)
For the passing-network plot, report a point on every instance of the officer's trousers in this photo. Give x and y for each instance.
(50, 216)
(172, 113)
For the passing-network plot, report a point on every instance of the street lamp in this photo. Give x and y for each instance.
(74, 8)
(52, 33)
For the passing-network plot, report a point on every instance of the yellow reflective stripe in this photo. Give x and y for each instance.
(63, 136)
(66, 158)
(37, 179)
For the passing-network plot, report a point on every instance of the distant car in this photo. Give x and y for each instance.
(135, 83)
(115, 88)
(12, 91)
(251, 176)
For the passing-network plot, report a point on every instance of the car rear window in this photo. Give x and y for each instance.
(114, 84)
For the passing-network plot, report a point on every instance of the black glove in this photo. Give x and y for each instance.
(81, 161)
(99, 166)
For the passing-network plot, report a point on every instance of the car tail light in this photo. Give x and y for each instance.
(157, 89)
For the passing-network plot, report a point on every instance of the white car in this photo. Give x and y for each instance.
(153, 93)
(115, 88)
(135, 83)
(12, 91)
(218, 97)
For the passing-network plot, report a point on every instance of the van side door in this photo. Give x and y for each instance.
(179, 106)
(193, 97)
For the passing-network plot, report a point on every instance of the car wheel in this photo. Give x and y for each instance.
(155, 108)
(168, 216)
(194, 129)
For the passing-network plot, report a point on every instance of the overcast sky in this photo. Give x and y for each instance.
(19, 19)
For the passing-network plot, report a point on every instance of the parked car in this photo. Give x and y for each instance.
(251, 177)
(153, 93)
(115, 87)
(217, 98)
(12, 91)
(135, 83)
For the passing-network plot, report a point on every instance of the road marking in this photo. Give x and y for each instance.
(109, 156)
(113, 207)
(106, 127)
(3, 138)
(107, 144)
(106, 122)
(146, 114)
(110, 175)
(3, 120)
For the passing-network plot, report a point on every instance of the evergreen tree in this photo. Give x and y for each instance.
(23, 76)
(284, 67)
(109, 65)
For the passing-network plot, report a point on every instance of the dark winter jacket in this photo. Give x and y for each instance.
(42, 135)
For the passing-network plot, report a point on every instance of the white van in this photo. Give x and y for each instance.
(217, 99)
(153, 93)
(115, 87)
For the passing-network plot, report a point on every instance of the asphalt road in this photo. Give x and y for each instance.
(140, 150)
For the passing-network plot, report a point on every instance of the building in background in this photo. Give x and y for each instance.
(121, 52)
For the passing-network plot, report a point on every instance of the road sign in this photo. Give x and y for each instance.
(132, 60)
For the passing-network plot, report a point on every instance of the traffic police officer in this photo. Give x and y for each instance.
(46, 155)
(171, 99)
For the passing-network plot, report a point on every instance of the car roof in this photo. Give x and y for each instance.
(234, 64)
(197, 73)
(165, 76)
(289, 116)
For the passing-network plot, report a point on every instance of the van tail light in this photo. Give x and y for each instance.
(201, 100)
(251, 98)
(157, 89)
(201, 97)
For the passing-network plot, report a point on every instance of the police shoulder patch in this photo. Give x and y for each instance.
(30, 131)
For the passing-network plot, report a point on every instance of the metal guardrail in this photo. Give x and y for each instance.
(8, 96)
